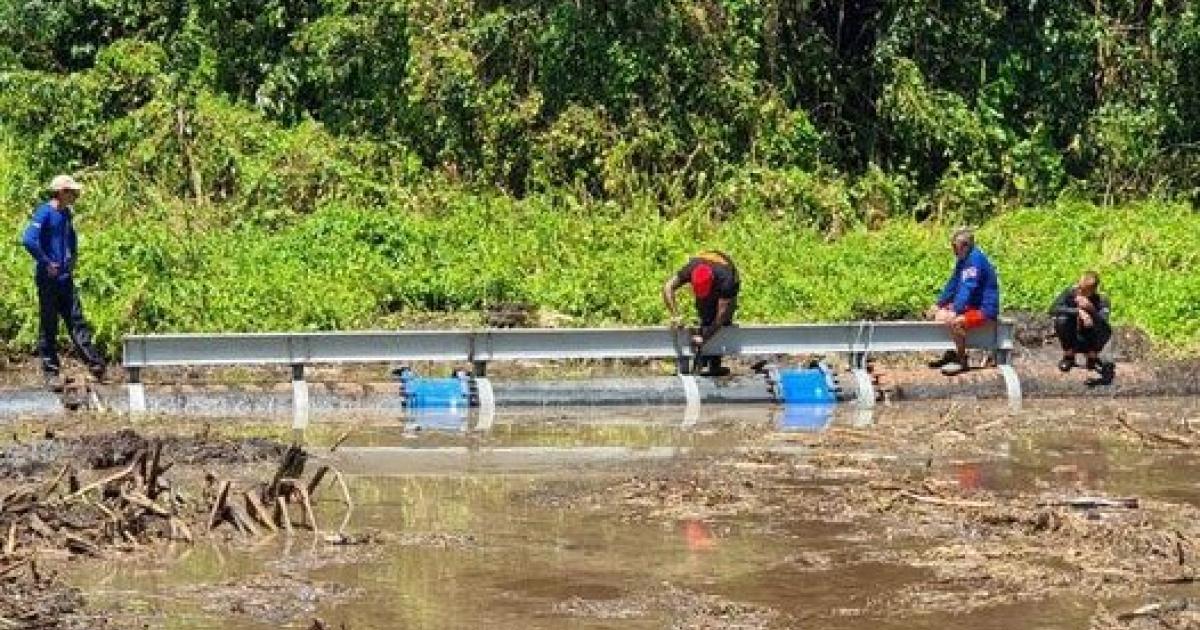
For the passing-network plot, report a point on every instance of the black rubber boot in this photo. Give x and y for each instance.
(54, 382)
(950, 357)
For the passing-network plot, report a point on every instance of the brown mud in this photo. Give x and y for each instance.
(1069, 514)
(979, 542)
(31, 598)
(107, 449)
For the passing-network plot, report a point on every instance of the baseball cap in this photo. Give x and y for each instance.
(702, 280)
(64, 182)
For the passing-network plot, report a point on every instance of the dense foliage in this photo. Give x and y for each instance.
(334, 163)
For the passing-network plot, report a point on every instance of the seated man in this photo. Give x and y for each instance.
(970, 299)
(1081, 323)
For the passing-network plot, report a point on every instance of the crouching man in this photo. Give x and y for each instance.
(1081, 322)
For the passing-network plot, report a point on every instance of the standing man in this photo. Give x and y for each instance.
(970, 299)
(50, 239)
(715, 284)
(1081, 322)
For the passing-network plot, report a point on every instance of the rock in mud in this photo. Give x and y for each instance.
(1174, 613)
(274, 599)
(108, 450)
(682, 608)
(28, 460)
(227, 451)
(31, 600)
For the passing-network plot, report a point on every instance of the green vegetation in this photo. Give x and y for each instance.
(333, 164)
(342, 267)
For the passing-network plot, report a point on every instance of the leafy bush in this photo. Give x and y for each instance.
(314, 164)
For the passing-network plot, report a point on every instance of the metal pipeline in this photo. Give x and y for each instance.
(665, 390)
(460, 392)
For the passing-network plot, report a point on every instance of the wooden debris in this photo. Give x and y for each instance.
(242, 520)
(1159, 436)
(259, 513)
(14, 567)
(181, 528)
(81, 521)
(287, 486)
(78, 545)
(1089, 503)
(53, 483)
(10, 546)
(931, 500)
(217, 514)
(292, 467)
(40, 527)
(1179, 579)
(100, 483)
(144, 502)
(341, 438)
(316, 479)
(1156, 609)
(309, 517)
(155, 472)
(285, 518)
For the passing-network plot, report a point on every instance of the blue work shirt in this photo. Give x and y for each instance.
(973, 284)
(50, 238)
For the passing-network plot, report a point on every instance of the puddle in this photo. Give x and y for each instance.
(466, 544)
(517, 564)
(1110, 471)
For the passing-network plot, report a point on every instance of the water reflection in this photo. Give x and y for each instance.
(433, 419)
(698, 535)
(810, 418)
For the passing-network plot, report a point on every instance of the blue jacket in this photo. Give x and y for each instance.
(50, 238)
(973, 284)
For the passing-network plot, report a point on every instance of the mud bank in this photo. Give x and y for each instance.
(107, 449)
(124, 496)
(1040, 378)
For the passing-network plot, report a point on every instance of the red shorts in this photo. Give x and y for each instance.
(973, 318)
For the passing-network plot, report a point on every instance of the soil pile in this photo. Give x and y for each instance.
(117, 448)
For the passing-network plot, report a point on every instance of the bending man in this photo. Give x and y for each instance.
(970, 299)
(715, 284)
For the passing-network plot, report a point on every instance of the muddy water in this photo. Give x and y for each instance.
(471, 541)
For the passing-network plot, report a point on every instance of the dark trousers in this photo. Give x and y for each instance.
(1076, 338)
(707, 310)
(60, 300)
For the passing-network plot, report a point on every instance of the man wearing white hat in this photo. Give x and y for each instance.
(50, 239)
